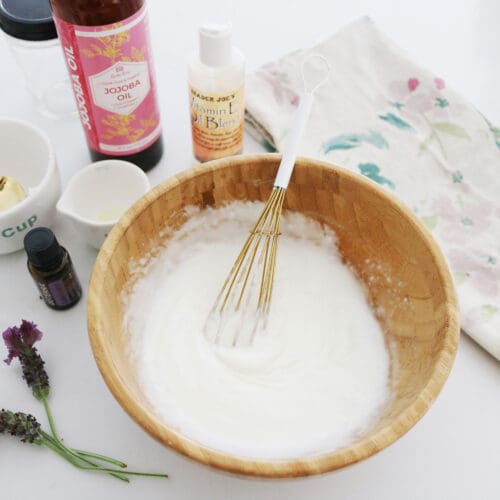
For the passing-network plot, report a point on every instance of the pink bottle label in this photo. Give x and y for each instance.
(111, 71)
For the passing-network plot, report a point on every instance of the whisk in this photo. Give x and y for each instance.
(261, 245)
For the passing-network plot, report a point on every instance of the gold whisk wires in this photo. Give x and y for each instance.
(257, 258)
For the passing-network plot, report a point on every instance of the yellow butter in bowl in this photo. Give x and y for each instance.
(110, 214)
(11, 193)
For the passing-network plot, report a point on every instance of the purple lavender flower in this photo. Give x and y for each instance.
(11, 337)
(18, 339)
(20, 344)
(20, 425)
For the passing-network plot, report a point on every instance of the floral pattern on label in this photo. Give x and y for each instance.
(111, 72)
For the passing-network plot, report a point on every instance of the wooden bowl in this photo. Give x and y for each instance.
(406, 276)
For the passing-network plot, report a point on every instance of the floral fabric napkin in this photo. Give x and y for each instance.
(384, 117)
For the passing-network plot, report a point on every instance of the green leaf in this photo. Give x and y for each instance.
(451, 129)
(350, 141)
(372, 171)
(442, 103)
(489, 310)
(397, 105)
(396, 121)
(494, 130)
(430, 221)
(425, 144)
(460, 277)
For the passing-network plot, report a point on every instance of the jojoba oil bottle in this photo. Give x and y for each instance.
(107, 50)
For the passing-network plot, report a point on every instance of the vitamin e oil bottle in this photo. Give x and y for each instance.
(216, 76)
(108, 55)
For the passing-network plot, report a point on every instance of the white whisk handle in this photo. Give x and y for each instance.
(292, 145)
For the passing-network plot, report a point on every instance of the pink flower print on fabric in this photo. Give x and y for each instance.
(420, 103)
(422, 107)
(413, 83)
(280, 84)
(440, 83)
(471, 264)
(460, 219)
(414, 97)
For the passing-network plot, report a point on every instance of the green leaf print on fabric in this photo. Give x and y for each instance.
(267, 145)
(396, 121)
(372, 171)
(457, 176)
(451, 129)
(496, 135)
(489, 310)
(494, 130)
(398, 105)
(349, 141)
(441, 102)
(443, 127)
(460, 277)
(430, 221)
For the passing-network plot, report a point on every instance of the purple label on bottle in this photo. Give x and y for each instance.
(59, 293)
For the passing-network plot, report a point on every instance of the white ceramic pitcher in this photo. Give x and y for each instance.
(99, 194)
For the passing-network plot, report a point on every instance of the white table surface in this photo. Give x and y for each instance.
(452, 453)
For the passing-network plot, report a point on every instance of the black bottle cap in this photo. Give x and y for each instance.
(43, 249)
(27, 19)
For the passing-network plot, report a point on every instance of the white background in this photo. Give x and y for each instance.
(453, 453)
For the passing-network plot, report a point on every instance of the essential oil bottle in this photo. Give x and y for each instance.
(51, 268)
(108, 54)
(216, 75)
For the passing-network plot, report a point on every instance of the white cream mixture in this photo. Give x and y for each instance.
(313, 382)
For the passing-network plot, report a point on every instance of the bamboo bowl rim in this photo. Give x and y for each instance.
(283, 468)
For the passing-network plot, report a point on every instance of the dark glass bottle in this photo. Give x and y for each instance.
(108, 54)
(51, 268)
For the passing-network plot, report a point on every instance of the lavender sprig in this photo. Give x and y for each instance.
(20, 344)
(21, 425)
(28, 430)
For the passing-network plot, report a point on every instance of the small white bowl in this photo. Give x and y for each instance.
(27, 156)
(99, 194)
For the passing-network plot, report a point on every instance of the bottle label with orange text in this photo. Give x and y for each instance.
(217, 121)
(112, 76)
